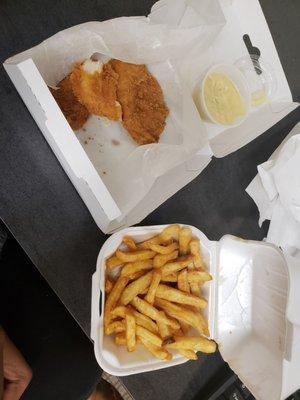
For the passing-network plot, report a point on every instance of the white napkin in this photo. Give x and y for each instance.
(276, 192)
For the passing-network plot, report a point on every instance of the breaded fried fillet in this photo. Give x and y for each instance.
(142, 101)
(75, 113)
(95, 86)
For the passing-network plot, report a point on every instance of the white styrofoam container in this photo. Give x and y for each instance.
(242, 17)
(252, 302)
(115, 359)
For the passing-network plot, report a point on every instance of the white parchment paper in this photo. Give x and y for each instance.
(163, 41)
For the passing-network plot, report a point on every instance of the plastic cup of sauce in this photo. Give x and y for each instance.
(222, 96)
(227, 93)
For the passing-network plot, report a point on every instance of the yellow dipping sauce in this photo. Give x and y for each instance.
(259, 97)
(222, 98)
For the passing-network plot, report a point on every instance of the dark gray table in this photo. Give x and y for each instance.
(44, 212)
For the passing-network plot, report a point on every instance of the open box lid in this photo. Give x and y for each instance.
(257, 325)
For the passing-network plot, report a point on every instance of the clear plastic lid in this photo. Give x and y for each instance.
(260, 78)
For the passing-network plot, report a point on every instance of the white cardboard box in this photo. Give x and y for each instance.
(243, 17)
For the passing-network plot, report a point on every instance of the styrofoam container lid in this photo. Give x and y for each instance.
(247, 303)
(250, 319)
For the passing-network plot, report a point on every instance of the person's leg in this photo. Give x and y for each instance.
(60, 355)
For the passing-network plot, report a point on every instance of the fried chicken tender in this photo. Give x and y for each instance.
(75, 113)
(142, 101)
(95, 86)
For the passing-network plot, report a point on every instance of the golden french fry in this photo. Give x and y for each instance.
(130, 330)
(188, 260)
(178, 333)
(151, 312)
(108, 285)
(170, 278)
(154, 240)
(140, 319)
(197, 276)
(156, 277)
(195, 289)
(172, 294)
(129, 242)
(184, 327)
(204, 325)
(136, 255)
(170, 233)
(143, 333)
(113, 298)
(185, 236)
(177, 265)
(157, 351)
(202, 321)
(145, 322)
(189, 354)
(196, 320)
(161, 259)
(120, 339)
(116, 326)
(136, 275)
(170, 268)
(113, 262)
(164, 330)
(135, 288)
(131, 268)
(182, 281)
(163, 249)
(196, 252)
(196, 343)
(119, 311)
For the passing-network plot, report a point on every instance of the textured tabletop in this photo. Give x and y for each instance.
(42, 209)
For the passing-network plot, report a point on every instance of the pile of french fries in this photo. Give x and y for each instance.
(156, 297)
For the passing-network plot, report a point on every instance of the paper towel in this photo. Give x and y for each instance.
(276, 192)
